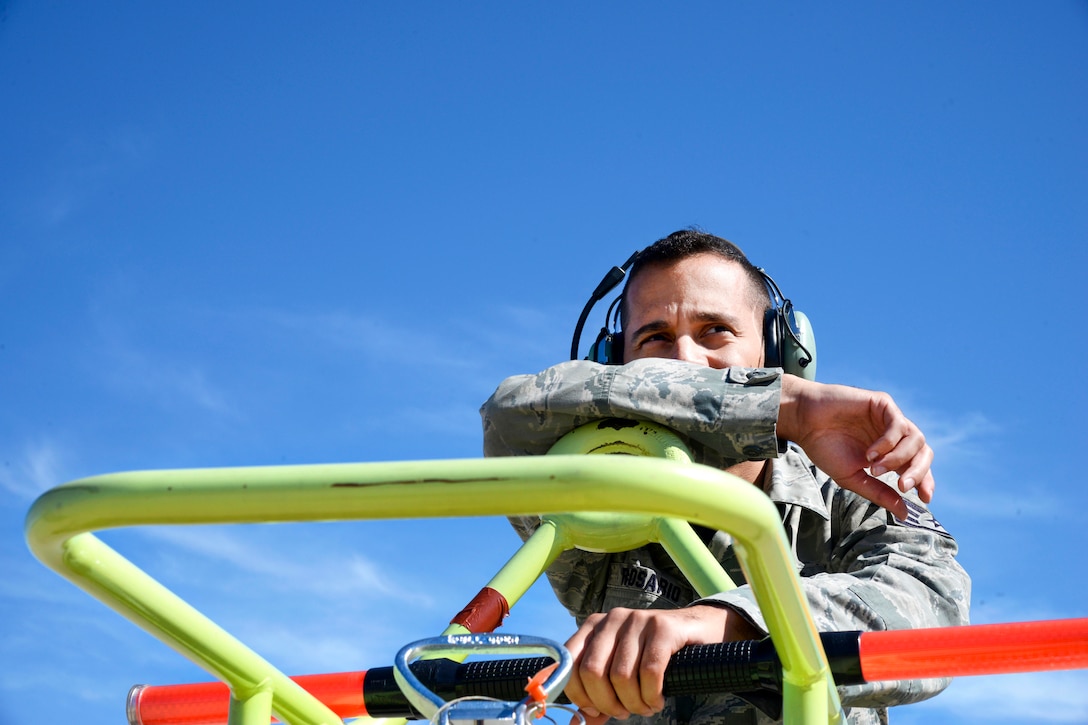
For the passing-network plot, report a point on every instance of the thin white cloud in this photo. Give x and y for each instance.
(1026, 503)
(958, 435)
(85, 685)
(86, 168)
(306, 652)
(1020, 609)
(332, 576)
(169, 382)
(452, 421)
(451, 346)
(368, 333)
(1036, 697)
(32, 470)
(28, 582)
(189, 383)
(520, 330)
(971, 441)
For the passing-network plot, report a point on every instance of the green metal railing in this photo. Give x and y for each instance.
(641, 493)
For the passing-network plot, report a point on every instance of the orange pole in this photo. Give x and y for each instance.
(208, 703)
(978, 649)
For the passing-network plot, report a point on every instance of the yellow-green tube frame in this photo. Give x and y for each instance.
(59, 522)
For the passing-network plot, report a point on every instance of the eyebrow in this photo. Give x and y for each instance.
(704, 316)
(649, 327)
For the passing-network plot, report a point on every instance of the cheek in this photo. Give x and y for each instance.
(746, 354)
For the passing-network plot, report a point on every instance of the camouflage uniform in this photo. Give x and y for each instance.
(860, 567)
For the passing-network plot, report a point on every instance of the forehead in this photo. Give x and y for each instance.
(706, 281)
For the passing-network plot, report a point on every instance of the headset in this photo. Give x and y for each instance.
(788, 340)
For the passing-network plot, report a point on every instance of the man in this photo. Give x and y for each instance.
(695, 301)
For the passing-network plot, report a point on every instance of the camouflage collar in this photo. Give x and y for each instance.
(793, 480)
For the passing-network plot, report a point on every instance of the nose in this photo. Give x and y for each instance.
(688, 350)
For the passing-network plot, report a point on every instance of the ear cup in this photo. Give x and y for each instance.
(788, 342)
(772, 338)
(615, 349)
(607, 348)
(799, 349)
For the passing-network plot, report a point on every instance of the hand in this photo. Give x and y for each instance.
(620, 656)
(844, 430)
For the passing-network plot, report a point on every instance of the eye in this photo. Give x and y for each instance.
(717, 335)
(653, 337)
(719, 329)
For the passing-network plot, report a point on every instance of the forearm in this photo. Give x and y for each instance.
(729, 415)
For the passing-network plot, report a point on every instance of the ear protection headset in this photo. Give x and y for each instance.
(788, 340)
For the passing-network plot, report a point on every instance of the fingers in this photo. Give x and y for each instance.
(575, 689)
(915, 474)
(597, 647)
(620, 657)
(590, 719)
(903, 449)
(847, 430)
(876, 491)
(926, 487)
(911, 458)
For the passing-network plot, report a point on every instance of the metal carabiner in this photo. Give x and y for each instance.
(480, 710)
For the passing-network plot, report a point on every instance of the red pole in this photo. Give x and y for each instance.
(978, 649)
(208, 703)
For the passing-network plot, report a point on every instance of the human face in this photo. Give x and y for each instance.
(698, 309)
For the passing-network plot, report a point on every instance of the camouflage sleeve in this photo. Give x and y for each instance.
(881, 573)
(726, 416)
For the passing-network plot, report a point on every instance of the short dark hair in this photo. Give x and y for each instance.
(687, 243)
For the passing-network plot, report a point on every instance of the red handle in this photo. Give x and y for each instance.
(208, 703)
(978, 649)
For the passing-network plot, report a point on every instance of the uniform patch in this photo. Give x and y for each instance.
(647, 581)
(919, 517)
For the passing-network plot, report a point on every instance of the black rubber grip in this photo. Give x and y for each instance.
(729, 667)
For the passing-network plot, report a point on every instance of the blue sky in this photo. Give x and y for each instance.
(271, 233)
